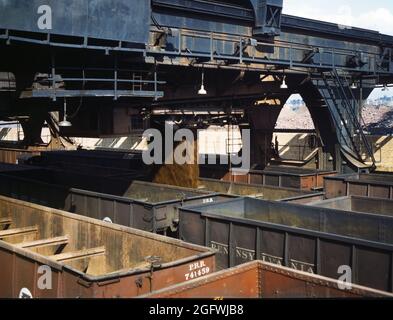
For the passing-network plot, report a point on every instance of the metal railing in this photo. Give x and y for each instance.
(323, 57)
(116, 82)
(343, 110)
(356, 118)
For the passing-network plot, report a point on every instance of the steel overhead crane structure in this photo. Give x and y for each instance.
(120, 65)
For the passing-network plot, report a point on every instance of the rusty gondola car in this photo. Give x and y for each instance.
(259, 279)
(88, 258)
(277, 176)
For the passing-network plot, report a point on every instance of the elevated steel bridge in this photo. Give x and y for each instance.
(112, 61)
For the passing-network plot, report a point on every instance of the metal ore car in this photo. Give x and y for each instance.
(359, 184)
(305, 238)
(88, 258)
(259, 279)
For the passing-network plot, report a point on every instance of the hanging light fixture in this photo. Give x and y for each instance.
(284, 83)
(202, 90)
(354, 86)
(65, 122)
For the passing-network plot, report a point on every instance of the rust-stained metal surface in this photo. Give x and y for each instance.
(259, 279)
(145, 206)
(89, 258)
(259, 191)
(358, 204)
(315, 240)
(365, 185)
(287, 177)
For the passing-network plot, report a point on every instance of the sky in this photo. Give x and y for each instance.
(375, 15)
